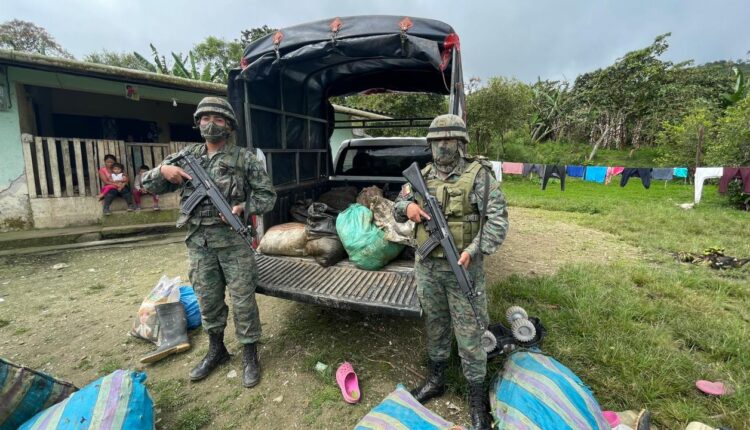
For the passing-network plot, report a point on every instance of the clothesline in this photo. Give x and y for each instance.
(604, 174)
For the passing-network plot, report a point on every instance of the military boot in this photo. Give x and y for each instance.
(172, 332)
(480, 418)
(217, 354)
(251, 365)
(434, 385)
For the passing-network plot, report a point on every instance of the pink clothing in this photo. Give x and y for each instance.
(107, 188)
(138, 192)
(513, 168)
(612, 171)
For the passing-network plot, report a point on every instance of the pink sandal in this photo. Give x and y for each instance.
(711, 388)
(348, 382)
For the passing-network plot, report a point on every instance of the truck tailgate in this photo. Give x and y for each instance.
(391, 291)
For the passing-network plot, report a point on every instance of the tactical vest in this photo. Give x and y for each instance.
(231, 163)
(454, 198)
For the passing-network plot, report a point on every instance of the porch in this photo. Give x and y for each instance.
(62, 179)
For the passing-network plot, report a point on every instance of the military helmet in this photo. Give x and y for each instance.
(216, 105)
(448, 126)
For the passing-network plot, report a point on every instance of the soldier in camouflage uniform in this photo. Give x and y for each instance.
(463, 186)
(219, 258)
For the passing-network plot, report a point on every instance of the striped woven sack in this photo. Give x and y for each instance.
(536, 392)
(24, 392)
(400, 411)
(116, 401)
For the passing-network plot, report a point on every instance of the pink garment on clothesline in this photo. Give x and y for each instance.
(513, 168)
(612, 171)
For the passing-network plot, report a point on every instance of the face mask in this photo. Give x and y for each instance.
(445, 154)
(214, 133)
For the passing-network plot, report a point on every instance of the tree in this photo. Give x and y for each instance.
(253, 34)
(732, 144)
(220, 54)
(128, 60)
(682, 143)
(25, 36)
(493, 110)
(398, 105)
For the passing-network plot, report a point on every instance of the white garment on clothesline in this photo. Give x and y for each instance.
(497, 167)
(703, 173)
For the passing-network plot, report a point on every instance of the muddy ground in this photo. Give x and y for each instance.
(73, 323)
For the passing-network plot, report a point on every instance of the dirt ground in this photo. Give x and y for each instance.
(73, 323)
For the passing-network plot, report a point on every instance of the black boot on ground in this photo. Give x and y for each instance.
(172, 332)
(217, 355)
(480, 418)
(434, 385)
(250, 365)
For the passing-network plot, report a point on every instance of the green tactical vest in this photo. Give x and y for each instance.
(462, 218)
(232, 185)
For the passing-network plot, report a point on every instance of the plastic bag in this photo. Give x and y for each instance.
(146, 325)
(284, 239)
(118, 401)
(322, 240)
(192, 308)
(364, 241)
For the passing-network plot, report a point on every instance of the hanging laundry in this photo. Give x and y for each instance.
(595, 174)
(533, 168)
(612, 171)
(643, 173)
(512, 168)
(554, 171)
(575, 171)
(662, 174)
(680, 172)
(497, 169)
(742, 173)
(703, 173)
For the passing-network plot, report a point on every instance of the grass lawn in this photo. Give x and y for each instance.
(640, 333)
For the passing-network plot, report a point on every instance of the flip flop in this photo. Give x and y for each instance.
(612, 418)
(712, 388)
(348, 382)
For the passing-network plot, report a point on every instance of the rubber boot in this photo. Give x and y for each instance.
(217, 355)
(108, 198)
(480, 418)
(434, 385)
(251, 365)
(172, 332)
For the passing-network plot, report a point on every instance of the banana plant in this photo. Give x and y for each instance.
(739, 90)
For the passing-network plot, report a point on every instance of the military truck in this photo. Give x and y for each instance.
(281, 95)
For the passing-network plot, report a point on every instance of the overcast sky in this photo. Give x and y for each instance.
(521, 39)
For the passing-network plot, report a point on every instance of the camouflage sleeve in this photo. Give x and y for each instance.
(261, 196)
(405, 197)
(154, 182)
(496, 223)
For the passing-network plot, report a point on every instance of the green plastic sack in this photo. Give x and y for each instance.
(363, 240)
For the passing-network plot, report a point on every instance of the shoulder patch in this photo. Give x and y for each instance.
(406, 190)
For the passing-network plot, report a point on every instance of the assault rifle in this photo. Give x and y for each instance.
(439, 234)
(205, 187)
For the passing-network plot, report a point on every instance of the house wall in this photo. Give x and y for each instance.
(16, 209)
(15, 212)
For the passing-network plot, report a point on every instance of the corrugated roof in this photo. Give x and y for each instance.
(64, 65)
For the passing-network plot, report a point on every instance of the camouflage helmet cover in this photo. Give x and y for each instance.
(216, 105)
(448, 126)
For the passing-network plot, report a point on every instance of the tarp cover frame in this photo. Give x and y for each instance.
(289, 83)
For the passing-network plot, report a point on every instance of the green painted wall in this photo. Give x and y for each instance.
(11, 157)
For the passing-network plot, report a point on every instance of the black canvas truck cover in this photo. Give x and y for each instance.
(287, 77)
(280, 95)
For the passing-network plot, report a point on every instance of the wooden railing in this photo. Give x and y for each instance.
(67, 167)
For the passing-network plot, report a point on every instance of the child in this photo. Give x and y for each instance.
(139, 191)
(117, 176)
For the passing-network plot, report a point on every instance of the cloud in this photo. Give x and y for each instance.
(545, 38)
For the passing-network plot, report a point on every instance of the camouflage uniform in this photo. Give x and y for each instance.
(444, 305)
(218, 256)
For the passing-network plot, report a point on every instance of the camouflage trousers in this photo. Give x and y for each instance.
(446, 308)
(221, 261)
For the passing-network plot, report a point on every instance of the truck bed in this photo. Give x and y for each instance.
(391, 290)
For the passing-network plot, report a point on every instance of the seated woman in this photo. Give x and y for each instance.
(114, 183)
